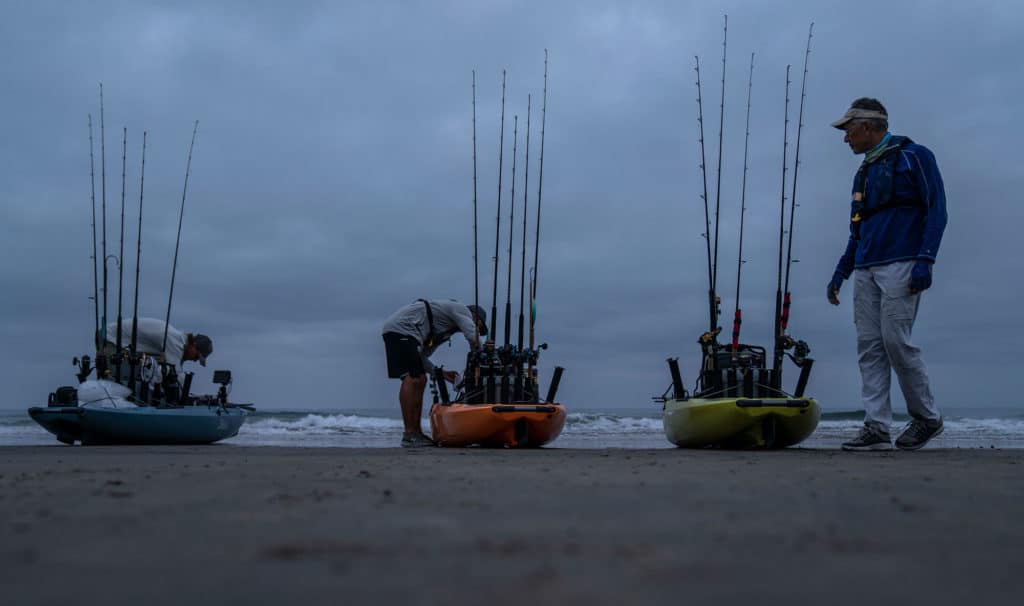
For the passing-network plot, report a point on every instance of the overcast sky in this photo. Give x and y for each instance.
(332, 181)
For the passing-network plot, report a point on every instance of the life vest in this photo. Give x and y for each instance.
(881, 186)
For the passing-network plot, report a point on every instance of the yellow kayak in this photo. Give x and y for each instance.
(740, 422)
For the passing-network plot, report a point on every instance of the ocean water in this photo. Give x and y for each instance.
(620, 428)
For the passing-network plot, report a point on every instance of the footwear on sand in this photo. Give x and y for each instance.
(416, 440)
(918, 433)
(869, 439)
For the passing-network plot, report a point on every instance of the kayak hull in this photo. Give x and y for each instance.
(139, 425)
(496, 425)
(740, 422)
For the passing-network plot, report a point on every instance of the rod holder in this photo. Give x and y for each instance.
(186, 387)
(442, 387)
(805, 374)
(553, 388)
(678, 391)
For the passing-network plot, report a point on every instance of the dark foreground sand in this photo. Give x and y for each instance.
(231, 525)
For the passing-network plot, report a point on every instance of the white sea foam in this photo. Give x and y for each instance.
(597, 423)
(322, 423)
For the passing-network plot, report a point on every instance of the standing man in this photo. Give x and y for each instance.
(411, 335)
(897, 217)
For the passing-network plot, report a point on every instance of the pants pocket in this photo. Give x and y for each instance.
(900, 308)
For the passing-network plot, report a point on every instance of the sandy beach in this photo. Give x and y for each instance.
(231, 525)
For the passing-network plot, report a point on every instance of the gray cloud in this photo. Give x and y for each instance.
(332, 180)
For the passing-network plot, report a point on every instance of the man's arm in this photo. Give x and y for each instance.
(464, 319)
(845, 266)
(933, 193)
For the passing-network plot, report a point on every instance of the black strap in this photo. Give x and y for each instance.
(430, 324)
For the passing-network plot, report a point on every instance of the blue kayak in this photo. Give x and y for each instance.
(114, 419)
(140, 425)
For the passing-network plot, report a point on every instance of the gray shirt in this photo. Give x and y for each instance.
(450, 317)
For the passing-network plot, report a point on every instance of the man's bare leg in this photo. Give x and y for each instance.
(410, 396)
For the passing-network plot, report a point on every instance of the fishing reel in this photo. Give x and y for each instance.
(530, 357)
(800, 350)
(710, 338)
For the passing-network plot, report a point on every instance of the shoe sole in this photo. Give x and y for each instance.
(922, 444)
(873, 447)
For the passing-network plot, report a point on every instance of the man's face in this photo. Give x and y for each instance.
(859, 137)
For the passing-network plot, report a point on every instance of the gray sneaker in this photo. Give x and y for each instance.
(416, 440)
(869, 439)
(918, 433)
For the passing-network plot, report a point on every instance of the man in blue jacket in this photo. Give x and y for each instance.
(897, 216)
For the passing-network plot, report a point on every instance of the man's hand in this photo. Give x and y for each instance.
(920, 277)
(833, 288)
(451, 376)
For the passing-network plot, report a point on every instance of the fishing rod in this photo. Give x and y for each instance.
(718, 193)
(796, 167)
(120, 255)
(738, 316)
(506, 354)
(103, 181)
(95, 270)
(779, 331)
(476, 264)
(177, 243)
(540, 190)
(712, 306)
(497, 228)
(511, 232)
(526, 185)
(138, 259)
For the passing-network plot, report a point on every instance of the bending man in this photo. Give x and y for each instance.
(181, 346)
(411, 335)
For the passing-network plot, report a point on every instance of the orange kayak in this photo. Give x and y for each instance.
(496, 425)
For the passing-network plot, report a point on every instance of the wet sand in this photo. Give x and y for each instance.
(227, 525)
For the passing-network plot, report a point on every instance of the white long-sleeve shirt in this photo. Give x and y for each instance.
(150, 339)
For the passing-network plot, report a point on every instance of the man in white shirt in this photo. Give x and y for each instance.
(181, 346)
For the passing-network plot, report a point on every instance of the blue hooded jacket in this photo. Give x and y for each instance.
(898, 212)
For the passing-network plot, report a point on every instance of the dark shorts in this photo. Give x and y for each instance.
(403, 354)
